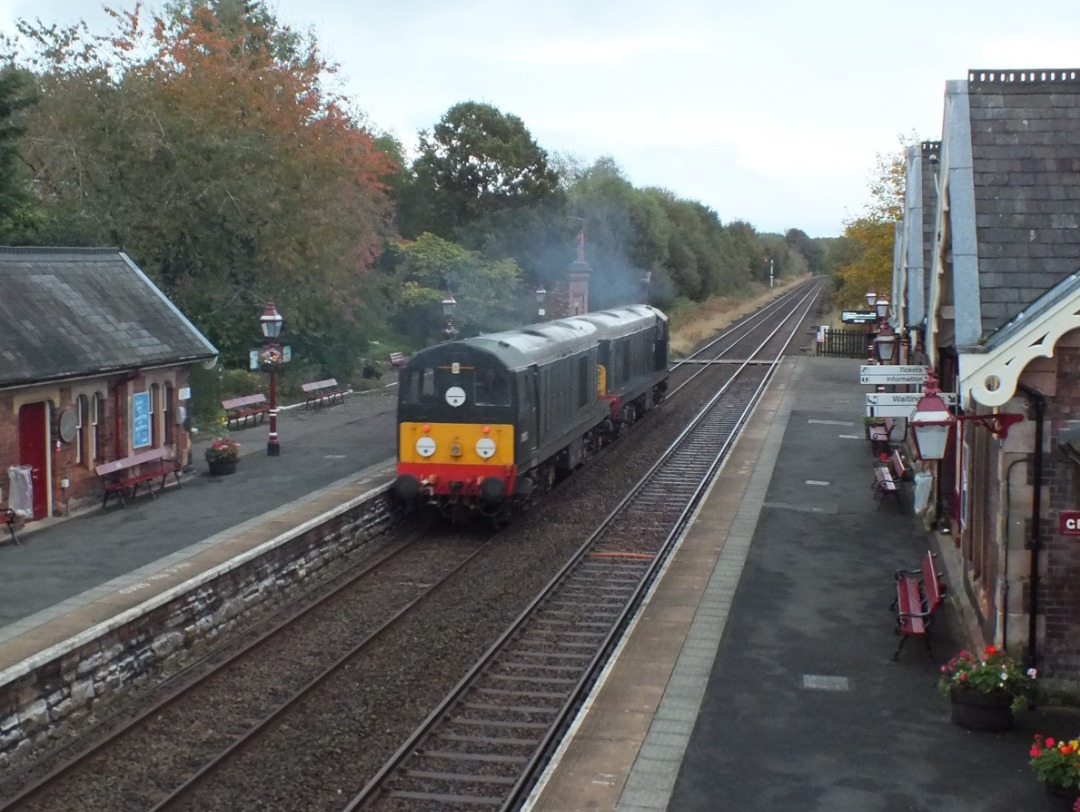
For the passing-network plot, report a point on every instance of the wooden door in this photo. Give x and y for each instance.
(34, 450)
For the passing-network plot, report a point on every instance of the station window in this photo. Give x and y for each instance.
(81, 426)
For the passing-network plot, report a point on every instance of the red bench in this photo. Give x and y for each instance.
(398, 359)
(138, 469)
(885, 484)
(253, 407)
(319, 391)
(918, 596)
(10, 517)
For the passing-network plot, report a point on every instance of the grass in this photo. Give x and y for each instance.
(694, 325)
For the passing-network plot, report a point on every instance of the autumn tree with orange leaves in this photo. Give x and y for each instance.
(206, 146)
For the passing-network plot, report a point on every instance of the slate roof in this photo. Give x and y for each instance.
(1025, 149)
(69, 312)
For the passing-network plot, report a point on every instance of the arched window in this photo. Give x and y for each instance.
(155, 415)
(168, 409)
(82, 425)
(97, 417)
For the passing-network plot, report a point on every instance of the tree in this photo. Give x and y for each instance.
(478, 163)
(873, 235)
(488, 292)
(207, 148)
(15, 89)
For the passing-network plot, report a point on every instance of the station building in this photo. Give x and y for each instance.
(986, 292)
(94, 365)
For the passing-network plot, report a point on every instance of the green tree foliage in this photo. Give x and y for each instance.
(474, 166)
(15, 90)
(207, 149)
(488, 292)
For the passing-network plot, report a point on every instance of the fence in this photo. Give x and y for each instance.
(842, 343)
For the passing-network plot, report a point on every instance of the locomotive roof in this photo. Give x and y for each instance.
(620, 321)
(546, 341)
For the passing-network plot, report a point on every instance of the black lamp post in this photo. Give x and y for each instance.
(448, 305)
(540, 296)
(270, 322)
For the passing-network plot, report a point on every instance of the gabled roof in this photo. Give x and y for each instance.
(72, 312)
(1025, 158)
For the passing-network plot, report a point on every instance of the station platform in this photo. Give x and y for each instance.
(69, 574)
(759, 675)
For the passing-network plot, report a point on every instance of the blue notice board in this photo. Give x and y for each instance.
(140, 419)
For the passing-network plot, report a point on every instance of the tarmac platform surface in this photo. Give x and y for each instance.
(759, 676)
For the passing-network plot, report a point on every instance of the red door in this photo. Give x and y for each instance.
(33, 451)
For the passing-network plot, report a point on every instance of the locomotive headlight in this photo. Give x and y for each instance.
(485, 448)
(425, 446)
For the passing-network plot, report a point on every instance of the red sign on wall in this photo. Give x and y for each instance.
(1069, 522)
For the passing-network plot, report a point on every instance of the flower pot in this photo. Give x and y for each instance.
(1066, 796)
(975, 710)
(222, 467)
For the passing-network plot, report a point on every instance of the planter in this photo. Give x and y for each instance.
(222, 467)
(981, 711)
(1065, 796)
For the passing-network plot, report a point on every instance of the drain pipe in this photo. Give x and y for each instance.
(1035, 544)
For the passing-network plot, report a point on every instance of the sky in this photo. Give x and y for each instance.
(773, 112)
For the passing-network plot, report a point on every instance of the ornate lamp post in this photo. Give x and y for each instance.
(270, 322)
(931, 422)
(885, 344)
(540, 296)
(882, 307)
(871, 297)
(448, 305)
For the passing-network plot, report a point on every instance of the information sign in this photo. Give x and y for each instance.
(140, 419)
(909, 399)
(891, 374)
(858, 316)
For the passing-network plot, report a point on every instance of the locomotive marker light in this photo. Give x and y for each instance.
(271, 358)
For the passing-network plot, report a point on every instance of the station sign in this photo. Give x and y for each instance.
(909, 399)
(892, 374)
(898, 404)
(858, 316)
(1069, 522)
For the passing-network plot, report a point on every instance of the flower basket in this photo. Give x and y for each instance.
(986, 690)
(222, 456)
(1056, 763)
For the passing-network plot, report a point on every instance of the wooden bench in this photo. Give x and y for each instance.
(879, 437)
(885, 484)
(138, 469)
(10, 517)
(320, 391)
(398, 359)
(918, 596)
(253, 407)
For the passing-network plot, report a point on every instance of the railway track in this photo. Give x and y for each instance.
(483, 746)
(362, 602)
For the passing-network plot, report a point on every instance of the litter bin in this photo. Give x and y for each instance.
(21, 495)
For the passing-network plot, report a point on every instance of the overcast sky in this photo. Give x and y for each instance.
(768, 111)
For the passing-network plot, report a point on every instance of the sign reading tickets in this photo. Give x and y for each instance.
(1069, 522)
(140, 419)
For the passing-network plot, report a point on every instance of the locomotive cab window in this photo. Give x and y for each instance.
(492, 387)
(418, 386)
